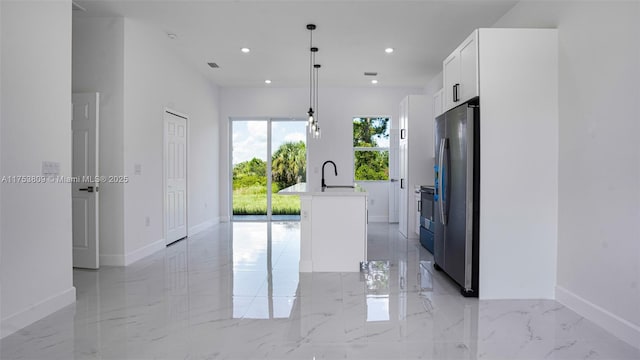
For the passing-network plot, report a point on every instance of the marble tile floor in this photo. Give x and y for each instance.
(234, 292)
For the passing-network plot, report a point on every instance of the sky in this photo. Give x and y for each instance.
(250, 137)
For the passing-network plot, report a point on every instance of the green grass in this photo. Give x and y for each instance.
(253, 201)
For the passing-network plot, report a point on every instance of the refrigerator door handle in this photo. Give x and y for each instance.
(440, 180)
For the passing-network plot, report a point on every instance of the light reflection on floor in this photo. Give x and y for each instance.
(265, 269)
(234, 291)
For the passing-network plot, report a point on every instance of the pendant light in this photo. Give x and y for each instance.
(314, 128)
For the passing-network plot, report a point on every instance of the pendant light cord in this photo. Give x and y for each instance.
(311, 55)
(315, 81)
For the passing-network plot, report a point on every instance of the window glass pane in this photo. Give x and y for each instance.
(371, 132)
(288, 166)
(371, 165)
(249, 168)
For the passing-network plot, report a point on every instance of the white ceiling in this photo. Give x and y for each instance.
(351, 36)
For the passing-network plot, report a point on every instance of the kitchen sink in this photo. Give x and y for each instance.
(337, 188)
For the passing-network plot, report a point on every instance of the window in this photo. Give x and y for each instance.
(371, 148)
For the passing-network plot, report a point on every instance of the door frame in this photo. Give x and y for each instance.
(269, 121)
(164, 170)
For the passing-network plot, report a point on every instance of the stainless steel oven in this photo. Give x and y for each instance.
(426, 217)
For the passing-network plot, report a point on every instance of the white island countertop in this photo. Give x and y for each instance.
(301, 189)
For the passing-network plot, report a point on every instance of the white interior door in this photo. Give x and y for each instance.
(84, 192)
(175, 165)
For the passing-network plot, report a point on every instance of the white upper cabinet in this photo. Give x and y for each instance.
(461, 73)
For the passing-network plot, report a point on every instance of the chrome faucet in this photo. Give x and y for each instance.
(335, 169)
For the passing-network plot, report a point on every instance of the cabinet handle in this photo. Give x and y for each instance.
(456, 95)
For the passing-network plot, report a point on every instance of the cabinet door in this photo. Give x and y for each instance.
(418, 208)
(468, 68)
(403, 218)
(403, 159)
(404, 108)
(451, 77)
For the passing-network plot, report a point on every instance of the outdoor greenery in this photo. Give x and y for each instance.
(289, 163)
(371, 161)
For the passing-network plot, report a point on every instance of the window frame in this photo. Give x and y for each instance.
(377, 148)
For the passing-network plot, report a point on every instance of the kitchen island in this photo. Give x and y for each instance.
(333, 228)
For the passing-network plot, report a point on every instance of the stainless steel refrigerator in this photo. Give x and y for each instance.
(457, 195)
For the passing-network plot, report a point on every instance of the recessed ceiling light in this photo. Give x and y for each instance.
(267, 81)
(388, 50)
(245, 50)
(374, 81)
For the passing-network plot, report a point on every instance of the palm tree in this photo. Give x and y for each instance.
(289, 164)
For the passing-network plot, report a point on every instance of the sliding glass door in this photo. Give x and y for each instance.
(268, 155)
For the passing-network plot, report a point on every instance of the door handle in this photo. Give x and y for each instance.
(87, 189)
(419, 205)
(393, 180)
(403, 133)
(441, 175)
(401, 183)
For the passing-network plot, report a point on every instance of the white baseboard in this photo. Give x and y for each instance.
(124, 260)
(144, 251)
(378, 219)
(203, 226)
(33, 313)
(111, 260)
(616, 325)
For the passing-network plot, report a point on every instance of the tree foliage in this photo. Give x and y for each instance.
(373, 164)
(366, 130)
(250, 173)
(288, 167)
(289, 164)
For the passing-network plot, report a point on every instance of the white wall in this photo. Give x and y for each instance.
(378, 200)
(156, 78)
(36, 117)
(518, 163)
(98, 65)
(139, 72)
(599, 156)
(338, 106)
